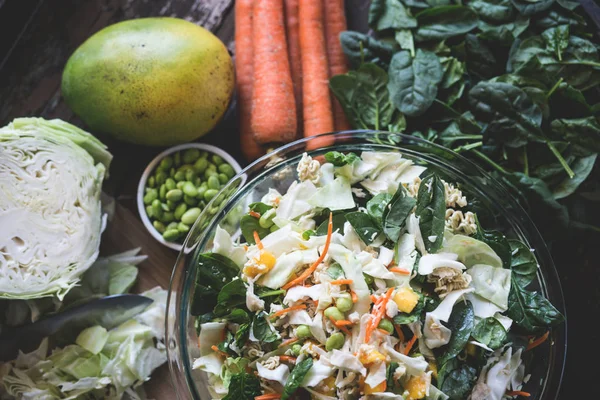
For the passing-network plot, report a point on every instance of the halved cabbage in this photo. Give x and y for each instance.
(51, 175)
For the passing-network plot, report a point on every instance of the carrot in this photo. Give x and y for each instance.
(410, 345)
(342, 322)
(216, 349)
(257, 240)
(518, 393)
(245, 76)
(293, 42)
(268, 396)
(538, 341)
(273, 107)
(287, 310)
(254, 214)
(335, 23)
(287, 342)
(383, 331)
(399, 332)
(318, 117)
(287, 358)
(340, 327)
(307, 272)
(354, 296)
(342, 282)
(400, 270)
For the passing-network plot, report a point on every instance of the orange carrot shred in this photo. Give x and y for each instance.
(374, 299)
(268, 396)
(342, 282)
(254, 214)
(377, 313)
(313, 267)
(257, 240)
(216, 349)
(287, 358)
(518, 393)
(538, 341)
(287, 310)
(410, 345)
(400, 270)
(343, 322)
(399, 332)
(383, 331)
(340, 327)
(287, 342)
(354, 296)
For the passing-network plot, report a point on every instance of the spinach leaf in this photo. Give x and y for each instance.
(443, 22)
(249, 225)
(232, 295)
(403, 318)
(296, 377)
(259, 207)
(503, 34)
(262, 330)
(493, 10)
(461, 323)
(490, 332)
(405, 39)
(361, 49)
(456, 379)
(530, 311)
(364, 226)
(557, 40)
(531, 7)
(364, 97)
(582, 167)
(414, 81)
(339, 159)
(512, 117)
(431, 210)
(242, 334)
(584, 133)
(390, 14)
(214, 271)
(497, 241)
(243, 386)
(523, 263)
(338, 222)
(481, 61)
(376, 207)
(390, 381)
(396, 212)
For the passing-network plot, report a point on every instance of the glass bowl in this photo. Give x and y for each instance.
(493, 204)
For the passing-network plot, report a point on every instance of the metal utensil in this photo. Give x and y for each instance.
(108, 312)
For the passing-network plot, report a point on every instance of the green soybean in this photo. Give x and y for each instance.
(175, 194)
(149, 211)
(180, 210)
(209, 194)
(150, 196)
(344, 302)
(386, 325)
(201, 190)
(200, 165)
(159, 226)
(172, 225)
(227, 170)
(213, 182)
(170, 184)
(197, 181)
(190, 175)
(296, 349)
(177, 159)
(171, 235)
(179, 176)
(172, 172)
(183, 228)
(217, 160)
(157, 207)
(162, 192)
(335, 341)
(190, 216)
(167, 217)
(303, 331)
(151, 182)
(190, 201)
(166, 163)
(210, 172)
(223, 179)
(333, 312)
(191, 155)
(160, 177)
(190, 190)
(180, 184)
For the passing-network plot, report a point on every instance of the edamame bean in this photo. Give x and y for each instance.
(157, 207)
(150, 196)
(209, 194)
(166, 163)
(201, 190)
(172, 172)
(190, 216)
(333, 312)
(190, 175)
(179, 176)
(217, 160)
(162, 192)
(177, 159)
(386, 325)
(344, 302)
(190, 201)
(204, 154)
(303, 331)
(149, 211)
(180, 184)
(190, 190)
(171, 235)
(159, 226)
(151, 182)
(335, 341)
(266, 220)
(223, 179)
(200, 165)
(170, 184)
(165, 207)
(171, 204)
(197, 181)
(179, 211)
(308, 233)
(296, 349)
(227, 170)
(213, 182)
(175, 194)
(172, 225)
(191, 155)
(183, 228)
(210, 172)
(167, 217)
(161, 177)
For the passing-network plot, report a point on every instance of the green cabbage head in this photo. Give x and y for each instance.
(51, 175)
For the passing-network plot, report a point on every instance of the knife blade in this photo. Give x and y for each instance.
(108, 312)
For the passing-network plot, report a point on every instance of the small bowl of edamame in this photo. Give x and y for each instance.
(177, 185)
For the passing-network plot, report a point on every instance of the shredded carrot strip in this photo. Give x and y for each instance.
(269, 396)
(383, 331)
(400, 270)
(343, 322)
(377, 313)
(216, 349)
(287, 358)
(518, 393)
(287, 310)
(246, 248)
(410, 345)
(308, 272)
(257, 240)
(289, 341)
(340, 327)
(254, 214)
(374, 298)
(354, 296)
(342, 282)
(538, 341)
(399, 332)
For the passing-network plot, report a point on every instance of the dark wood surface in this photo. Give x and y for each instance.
(38, 36)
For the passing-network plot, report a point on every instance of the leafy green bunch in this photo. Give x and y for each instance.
(511, 84)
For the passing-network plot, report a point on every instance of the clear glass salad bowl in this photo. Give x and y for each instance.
(494, 206)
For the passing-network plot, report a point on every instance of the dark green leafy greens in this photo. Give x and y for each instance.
(523, 263)
(214, 271)
(456, 379)
(431, 210)
(461, 323)
(396, 212)
(531, 312)
(490, 332)
(296, 377)
(243, 386)
(364, 226)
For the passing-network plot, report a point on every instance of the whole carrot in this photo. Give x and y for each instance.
(335, 23)
(316, 102)
(273, 106)
(293, 41)
(244, 77)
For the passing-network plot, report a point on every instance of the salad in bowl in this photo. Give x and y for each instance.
(370, 277)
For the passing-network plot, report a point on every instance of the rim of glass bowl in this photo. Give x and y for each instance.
(178, 316)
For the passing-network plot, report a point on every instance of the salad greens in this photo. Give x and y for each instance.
(382, 297)
(511, 84)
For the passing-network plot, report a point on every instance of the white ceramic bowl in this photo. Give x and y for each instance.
(141, 186)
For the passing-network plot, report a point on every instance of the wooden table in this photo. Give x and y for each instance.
(31, 62)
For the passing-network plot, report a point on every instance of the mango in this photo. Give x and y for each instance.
(150, 81)
(406, 299)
